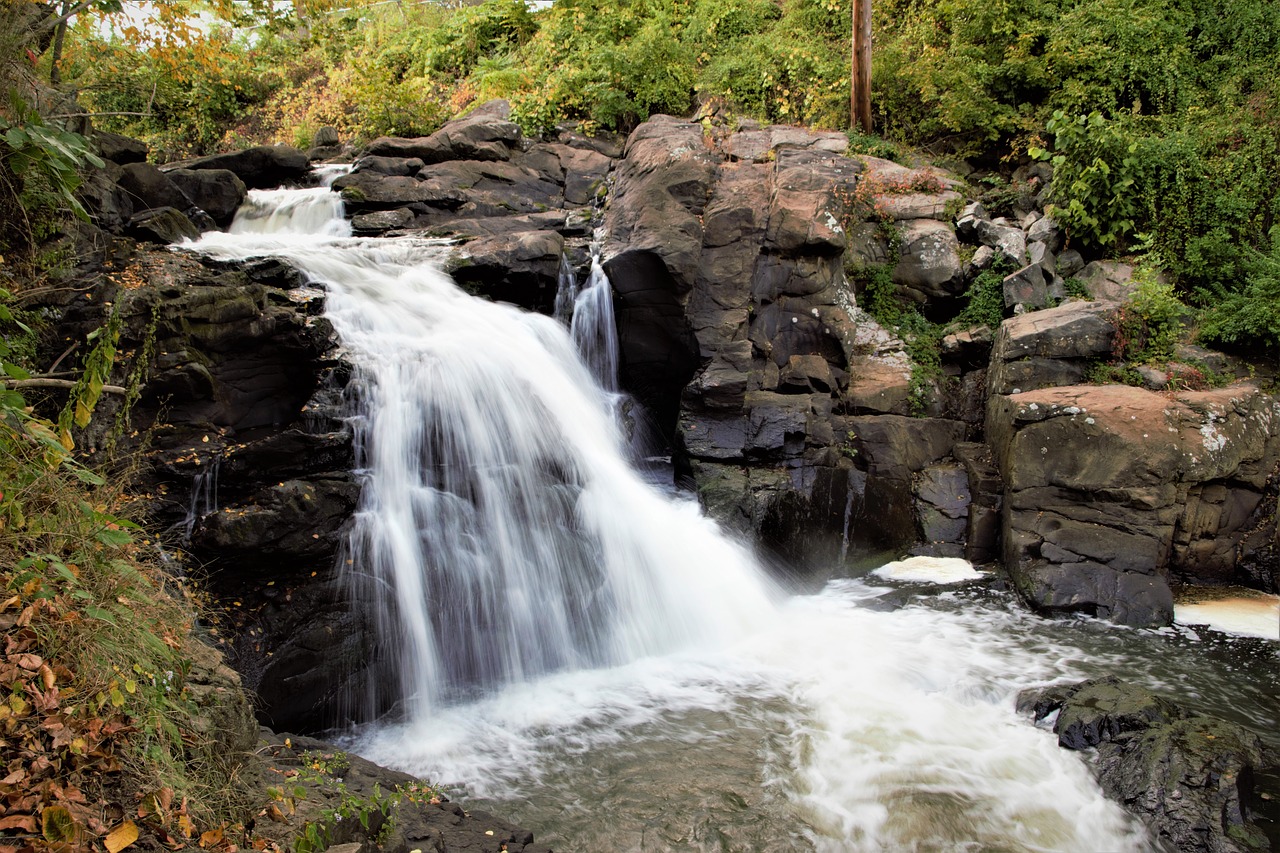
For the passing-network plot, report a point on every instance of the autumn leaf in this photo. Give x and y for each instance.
(210, 838)
(121, 837)
(57, 825)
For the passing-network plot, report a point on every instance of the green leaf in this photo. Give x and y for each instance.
(113, 538)
(86, 476)
(95, 612)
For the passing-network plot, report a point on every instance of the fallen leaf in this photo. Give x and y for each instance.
(121, 837)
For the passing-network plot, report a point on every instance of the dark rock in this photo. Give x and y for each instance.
(1028, 287)
(260, 167)
(119, 149)
(150, 188)
(324, 137)
(1097, 485)
(389, 166)
(107, 203)
(218, 192)
(522, 268)
(381, 221)
(162, 225)
(1187, 777)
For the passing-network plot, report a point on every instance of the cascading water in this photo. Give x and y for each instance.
(600, 660)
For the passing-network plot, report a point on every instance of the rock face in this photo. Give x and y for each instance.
(1110, 490)
(1187, 777)
(788, 406)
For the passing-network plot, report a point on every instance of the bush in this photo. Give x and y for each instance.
(1149, 324)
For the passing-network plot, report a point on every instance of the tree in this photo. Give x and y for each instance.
(860, 67)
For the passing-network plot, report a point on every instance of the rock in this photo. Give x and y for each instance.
(149, 188)
(218, 192)
(389, 166)
(1028, 288)
(1109, 280)
(1050, 347)
(1008, 240)
(107, 203)
(162, 225)
(907, 206)
(325, 137)
(381, 221)
(1069, 263)
(804, 213)
(1045, 230)
(119, 149)
(484, 134)
(1188, 781)
(929, 264)
(1187, 777)
(521, 268)
(1097, 486)
(260, 167)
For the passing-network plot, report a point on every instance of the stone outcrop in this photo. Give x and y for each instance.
(1188, 777)
(1110, 490)
(260, 167)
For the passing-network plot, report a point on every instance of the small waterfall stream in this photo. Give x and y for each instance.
(598, 659)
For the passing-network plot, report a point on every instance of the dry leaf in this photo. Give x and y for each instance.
(121, 837)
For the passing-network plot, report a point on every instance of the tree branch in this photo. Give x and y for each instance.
(46, 382)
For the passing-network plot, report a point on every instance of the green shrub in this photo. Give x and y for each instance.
(1250, 316)
(1150, 323)
(1094, 194)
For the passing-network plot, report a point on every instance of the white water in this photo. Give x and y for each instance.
(573, 638)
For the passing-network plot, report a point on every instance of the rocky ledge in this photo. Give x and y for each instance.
(1189, 777)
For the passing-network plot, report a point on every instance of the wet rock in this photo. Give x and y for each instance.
(325, 137)
(1187, 777)
(521, 268)
(381, 221)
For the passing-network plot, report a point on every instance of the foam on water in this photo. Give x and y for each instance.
(937, 570)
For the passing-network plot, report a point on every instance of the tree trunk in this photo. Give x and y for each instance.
(860, 67)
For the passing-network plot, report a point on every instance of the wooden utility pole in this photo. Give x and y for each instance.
(860, 67)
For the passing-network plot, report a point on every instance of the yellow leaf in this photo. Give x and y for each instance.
(121, 837)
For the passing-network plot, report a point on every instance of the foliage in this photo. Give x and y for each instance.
(923, 339)
(1252, 315)
(94, 665)
(984, 305)
(1149, 324)
(1093, 190)
(40, 167)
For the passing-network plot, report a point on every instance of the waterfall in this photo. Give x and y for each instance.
(498, 510)
(568, 634)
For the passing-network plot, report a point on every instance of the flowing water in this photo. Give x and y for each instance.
(589, 656)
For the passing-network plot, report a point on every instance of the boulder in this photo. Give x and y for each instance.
(1008, 240)
(162, 225)
(119, 149)
(486, 134)
(260, 167)
(521, 268)
(1041, 349)
(1098, 484)
(218, 192)
(929, 263)
(149, 188)
(1108, 280)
